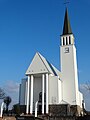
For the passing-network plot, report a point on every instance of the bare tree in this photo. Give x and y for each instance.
(2, 93)
(87, 86)
(7, 101)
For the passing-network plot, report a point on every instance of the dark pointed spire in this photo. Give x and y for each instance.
(66, 28)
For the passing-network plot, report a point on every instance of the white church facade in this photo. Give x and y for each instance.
(48, 86)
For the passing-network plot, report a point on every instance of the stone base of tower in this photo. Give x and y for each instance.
(65, 110)
(58, 110)
(76, 110)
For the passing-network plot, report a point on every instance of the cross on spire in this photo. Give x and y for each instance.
(66, 2)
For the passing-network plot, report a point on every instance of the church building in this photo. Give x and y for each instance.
(52, 90)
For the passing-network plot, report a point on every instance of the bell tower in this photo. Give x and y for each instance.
(68, 64)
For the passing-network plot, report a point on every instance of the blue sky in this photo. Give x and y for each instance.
(28, 26)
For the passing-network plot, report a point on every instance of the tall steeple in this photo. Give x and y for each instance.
(69, 64)
(67, 37)
(66, 28)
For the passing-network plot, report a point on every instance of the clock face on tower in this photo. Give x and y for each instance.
(66, 50)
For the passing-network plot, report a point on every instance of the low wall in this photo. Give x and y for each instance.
(65, 110)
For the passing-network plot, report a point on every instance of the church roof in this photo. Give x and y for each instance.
(66, 27)
(40, 65)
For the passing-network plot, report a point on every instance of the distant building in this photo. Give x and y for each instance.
(53, 89)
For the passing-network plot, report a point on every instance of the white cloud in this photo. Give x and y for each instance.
(86, 93)
(11, 86)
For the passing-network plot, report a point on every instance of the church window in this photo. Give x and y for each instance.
(40, 97)
(63, 41)
(66, 41)
(69, 40)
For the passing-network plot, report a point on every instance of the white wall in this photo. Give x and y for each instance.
(26, 92)
(80, 99)
(59, 91)
(22, 92)
(69, 74)
(54, 90)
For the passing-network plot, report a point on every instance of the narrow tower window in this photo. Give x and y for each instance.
(66, 41)
(69, 40)
(63, 41)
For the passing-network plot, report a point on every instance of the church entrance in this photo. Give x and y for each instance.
(40, 103)
(40, 109)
